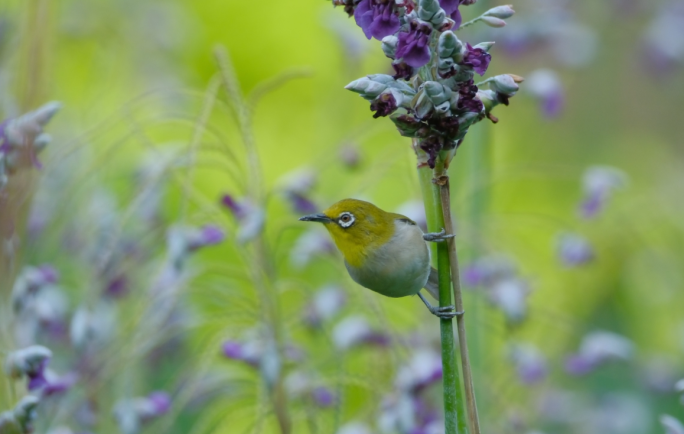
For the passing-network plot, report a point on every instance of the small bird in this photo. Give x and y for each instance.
(383, 251)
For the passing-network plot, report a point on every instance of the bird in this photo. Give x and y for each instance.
(383, 251)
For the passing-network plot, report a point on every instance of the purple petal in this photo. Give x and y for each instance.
(323, 397)
(458, 19)
(161, 401)
(449, 6)
(212, 235)
(579, 365)
(385, 22)
(364, 17)
(232, 350)
(553, 104)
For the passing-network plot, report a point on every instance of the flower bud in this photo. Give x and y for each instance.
(450, 46)
(8, 424)
(503, 12)
(437, 92)
(422, 105)
(27, 361)
(25, 412)
(504, 84)
(366, 87)
(493, 22)
(406, 124)
(427, 9)
(389, 46)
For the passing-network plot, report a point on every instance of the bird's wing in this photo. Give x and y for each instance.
(432, 285)
(403, 218)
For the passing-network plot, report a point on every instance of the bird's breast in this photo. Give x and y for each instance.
(397, 268)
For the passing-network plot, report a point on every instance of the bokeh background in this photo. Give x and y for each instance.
(154, 245)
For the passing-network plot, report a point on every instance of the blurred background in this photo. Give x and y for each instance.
(155, 277)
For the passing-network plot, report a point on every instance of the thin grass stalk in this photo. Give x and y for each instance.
(442, 180)
(454, 414)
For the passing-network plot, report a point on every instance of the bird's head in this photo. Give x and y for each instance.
(356, 227)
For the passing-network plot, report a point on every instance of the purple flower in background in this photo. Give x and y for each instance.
(323, 397)
(36, 376)
(160, 402)
(300, 203)
(574, 250)
(239, 210)
(354, 330)
(424, 369)
(477, 58)
(530, 363)
(671, 424)
(58, 384)
(248, 352)
(413, 45)
(377, 18)
(117, 287)
(326, 303)
(545, 85)
(599, 182)
(597, 348)
(208, 235)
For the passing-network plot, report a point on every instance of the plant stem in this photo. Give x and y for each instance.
(442, 179)
(454, 414)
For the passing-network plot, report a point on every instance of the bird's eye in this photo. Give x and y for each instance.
(346, 219)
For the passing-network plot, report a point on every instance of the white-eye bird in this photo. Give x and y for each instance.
(383, 251)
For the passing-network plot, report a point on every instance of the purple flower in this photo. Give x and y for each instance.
(244, 352)
(323, 397)
(451, 9)
(238, 209)
(161, 402)
(529, 362)
(208, 235)
(574, 250)
(413, 46)
(402, 70)
(377, 19)
(300, 203)
(477, 58)
(596, 349)
(467, 101)
(58, 385)
(383, 105)
(545, 85)
(117, 287)
(36, 376)
(599, 182)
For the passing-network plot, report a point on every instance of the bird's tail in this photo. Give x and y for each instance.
(432, 285)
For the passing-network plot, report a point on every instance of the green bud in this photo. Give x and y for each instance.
(443, 109)
(504, 84)
(381, 78)
(437, 93)
(422, 105)
(493, 21)
(25, 411)
(503, 12)
(427, 9)
(8, 424)
(368, 88)
(41, 142)
(389, 46)
(449, 45)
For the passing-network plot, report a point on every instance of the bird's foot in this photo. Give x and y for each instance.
(437, 237)
(445, 312)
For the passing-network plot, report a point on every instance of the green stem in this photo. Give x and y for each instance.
(454, 414)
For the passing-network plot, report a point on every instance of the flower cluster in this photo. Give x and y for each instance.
(432, 96)
(22, 138)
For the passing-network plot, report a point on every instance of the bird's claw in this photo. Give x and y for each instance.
(446, 312)
(437, 237)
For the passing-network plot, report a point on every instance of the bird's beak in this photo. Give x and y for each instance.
(322, 218)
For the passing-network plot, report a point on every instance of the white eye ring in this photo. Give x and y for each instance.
(347, 223)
